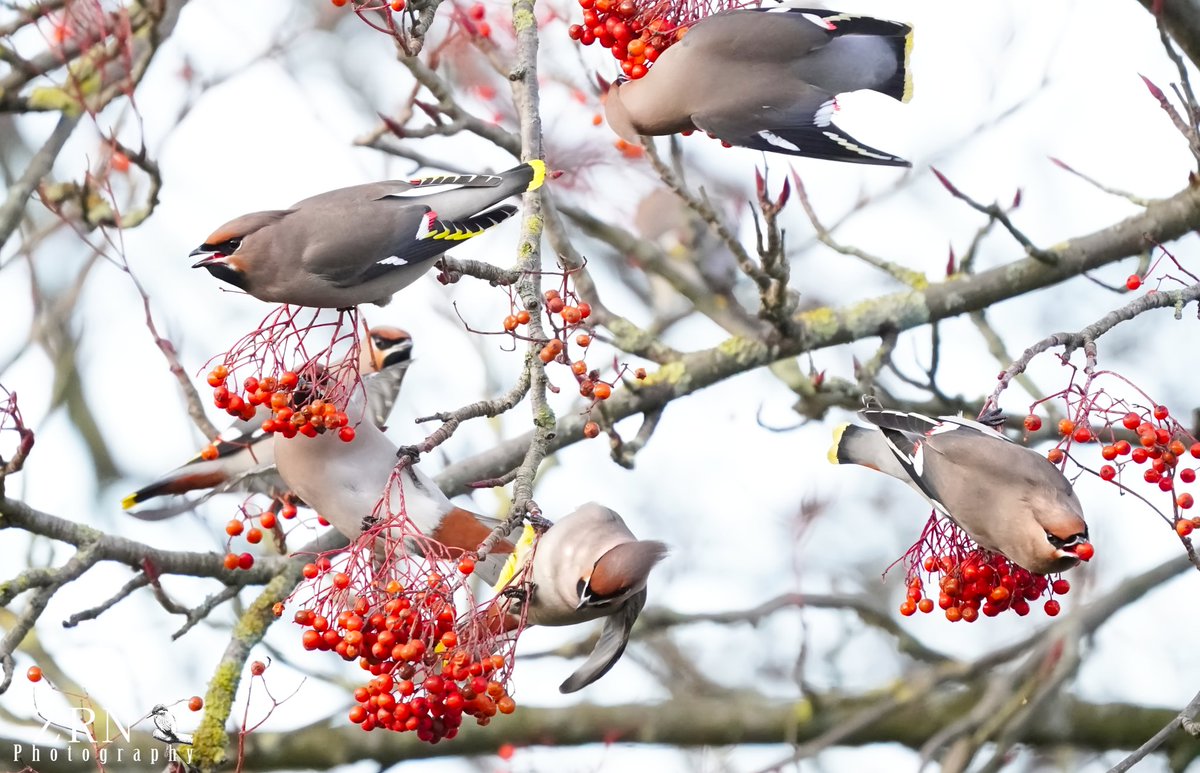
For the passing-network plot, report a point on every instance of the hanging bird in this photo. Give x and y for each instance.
(344, 482)
(767, 79)
(1010, 499)
(587, 565)
(246, 457)
(359, 244)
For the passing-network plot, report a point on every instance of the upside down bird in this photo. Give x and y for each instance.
(767, 79)
(359, 244)
(588, 565)
(1010, 499)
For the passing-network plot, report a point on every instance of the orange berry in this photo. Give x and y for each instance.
(522, 317)
(639, 374)
(119, 162)
(34, 674)
(195, 703)
(231, 561)
(591, 429)
(234, 528)
(254, 536)
(583, 339)
(1055, 455)
(267, 520)
(510, 323)
(1066, 427)
(602, 391)
(209, 453)
(579, 367)
(257, 668)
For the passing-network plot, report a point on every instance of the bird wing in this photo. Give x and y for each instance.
(610, 646)
(802, 128)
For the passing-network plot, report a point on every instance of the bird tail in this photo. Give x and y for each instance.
(899, 37)
(180, 484)
(865, 447)
(529, 176)
(900, 85)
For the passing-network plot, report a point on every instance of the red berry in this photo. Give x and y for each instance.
(254, 536)
(245, 561)
(231, 561)
(233, 528)
(1185, 501)
(34, 674)
(585, 310)
(257, 668)
(1033, 423)
(1108, 472)
(1060, 586)
(1083, 435)
(1187, 475)
(510, 323)
(1133, 282)
(1085, 551)
(522, 317)
(1066, 427)
(591, 429)
(602, 391)
(1131, 421)
(1053, 608)
(1055, 455)
(346, 434)
(195, 703)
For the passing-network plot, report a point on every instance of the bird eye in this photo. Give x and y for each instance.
(229, 246)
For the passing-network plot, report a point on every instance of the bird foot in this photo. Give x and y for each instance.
(411, 453)
(992, 417)
(519, 593)
(539, 523)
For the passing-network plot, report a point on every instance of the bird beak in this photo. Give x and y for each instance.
(210, 256)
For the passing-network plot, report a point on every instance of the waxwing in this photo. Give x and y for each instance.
(1007, 497)
(245, 456)
(344, 482)
(589, 565)
(359, 244)
(767, 79)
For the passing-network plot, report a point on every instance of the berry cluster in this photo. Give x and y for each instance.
(309, 399)
(1153, 440)
(638, 33)
(253, 524)
(287, 397)
(429, 668)
(401, 604)
(971, 580)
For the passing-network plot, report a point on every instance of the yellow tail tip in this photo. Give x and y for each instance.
(908, 78)
(129, 501)
(837, 441)
(539, 174)
(516, 559)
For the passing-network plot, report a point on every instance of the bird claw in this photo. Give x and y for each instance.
(411, 453)
(539, 523)
(518, 593)
(992, 417)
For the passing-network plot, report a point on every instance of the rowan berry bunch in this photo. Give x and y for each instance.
(970, 580)
(566, 316)
(304, 387)
(400, 603)
(1143, 448)
(252, 524)
(638, 32)
(361, 7)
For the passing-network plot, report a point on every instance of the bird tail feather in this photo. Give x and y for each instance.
(864, 447)
(900, 85)
(899, 37)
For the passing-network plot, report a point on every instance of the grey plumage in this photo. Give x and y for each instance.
(767, 79)
(1008, 498)
(359, 244)
(589, 565)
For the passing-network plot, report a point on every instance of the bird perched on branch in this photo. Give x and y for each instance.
(1010, 499)
(245, 455)
(767, 79)
(587, 565)
(359, 244)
